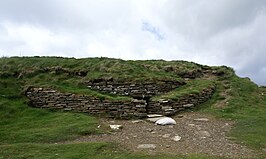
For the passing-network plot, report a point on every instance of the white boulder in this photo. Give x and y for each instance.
(165, 121)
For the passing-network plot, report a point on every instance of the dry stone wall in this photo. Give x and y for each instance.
(125, 109)
(48, 98)
(135, 90)
(170, 106)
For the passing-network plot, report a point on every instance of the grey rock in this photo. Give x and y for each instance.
(154, 115)
(166, 135)
(176, 138)
(188, 105)
(116, 127)
(191, 124)
(201, 119)
(146, 146)
(166, 107)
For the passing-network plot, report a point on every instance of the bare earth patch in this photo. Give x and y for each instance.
(204, 136)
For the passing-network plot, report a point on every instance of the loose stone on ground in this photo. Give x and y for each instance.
(146, 146)
(176, 138)
(186, 137)
(116, 127)
(201, 119)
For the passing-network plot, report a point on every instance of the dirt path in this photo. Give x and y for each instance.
(197, 137)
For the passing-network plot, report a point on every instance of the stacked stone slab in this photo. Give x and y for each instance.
(125, 109)
(49, 98)
(136, 90)
(170, 106)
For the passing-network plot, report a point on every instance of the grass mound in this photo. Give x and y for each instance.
(30, 133)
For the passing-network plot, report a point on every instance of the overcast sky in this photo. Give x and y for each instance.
(212, 32)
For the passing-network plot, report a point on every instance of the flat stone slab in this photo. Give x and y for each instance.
(201, 119)
(146, 146)
(188, 105)
(154, 115)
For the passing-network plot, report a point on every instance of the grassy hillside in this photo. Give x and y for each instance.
(26, 132)
(247, 106)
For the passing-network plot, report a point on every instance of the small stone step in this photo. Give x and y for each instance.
(154, 115)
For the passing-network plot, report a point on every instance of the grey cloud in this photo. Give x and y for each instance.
(206, 18)
(244, 48)
(221, 32)
(29, 11)
(67, 14)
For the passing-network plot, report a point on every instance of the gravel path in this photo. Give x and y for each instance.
(197, 137)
